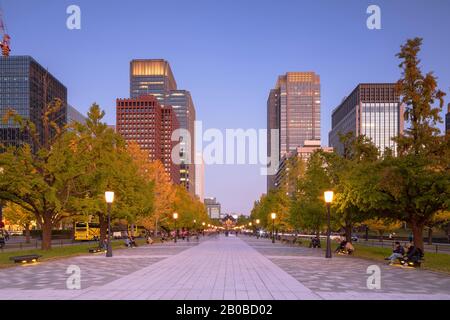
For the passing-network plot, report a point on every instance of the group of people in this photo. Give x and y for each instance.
(315, 242)
(345, 247)
(130, 242)
(412, 254)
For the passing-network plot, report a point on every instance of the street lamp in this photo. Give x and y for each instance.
(109, 197)
(273, 215)
(257, 228)
(328, 199)
(175, 217)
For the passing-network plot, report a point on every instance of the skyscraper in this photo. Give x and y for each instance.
(26, 87)
(145, 122)
(293, 109)
(154, 76)
(73, 115)
(373, 110)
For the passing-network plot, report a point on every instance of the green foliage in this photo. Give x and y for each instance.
(410, 184)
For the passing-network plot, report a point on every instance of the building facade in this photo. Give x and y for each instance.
(26, 87)
(154, 76)
(373, 110)
(213, 208)
(145, 122)
(302, 153)
(169, 123)
(293, 111)
(73, 115)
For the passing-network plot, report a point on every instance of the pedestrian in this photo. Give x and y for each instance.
(397, 253)
(2, 239)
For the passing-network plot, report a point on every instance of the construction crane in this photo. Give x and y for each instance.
(4, 44)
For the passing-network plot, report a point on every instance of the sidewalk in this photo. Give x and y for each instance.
(222, 268)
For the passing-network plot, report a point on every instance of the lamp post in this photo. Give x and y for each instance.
(328, 199)
(175, 217)
(273, 215)
(257, 228)
(109, 197)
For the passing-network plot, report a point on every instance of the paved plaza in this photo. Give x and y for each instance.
(219, 268)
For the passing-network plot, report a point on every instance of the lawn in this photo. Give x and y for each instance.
(433, 261)
(57, 252)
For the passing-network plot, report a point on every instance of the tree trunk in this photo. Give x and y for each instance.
(348, 232)
(417, 230)
(430, 236)
(103, 221)
(46, 233)
(27, 233)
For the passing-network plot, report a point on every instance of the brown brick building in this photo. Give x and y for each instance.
(144, 121)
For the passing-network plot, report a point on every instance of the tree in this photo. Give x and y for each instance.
(414, 185)
(15, 214)
(308, 210)
(359, 152)
(108, 166)
(439, 220)
(382, 226)
(40, 177)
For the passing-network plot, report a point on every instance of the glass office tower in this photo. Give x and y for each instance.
(26, 87)
(373, 110)
(155, 77)
(293, 108)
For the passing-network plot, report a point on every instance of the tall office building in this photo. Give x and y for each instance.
(145, 122)
(73, 115)
(26, 87)
(154, 76)
(199, 176)
(373, 110)
(169, 123)
(293, 109)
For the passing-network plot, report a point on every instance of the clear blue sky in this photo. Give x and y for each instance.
(228, 54)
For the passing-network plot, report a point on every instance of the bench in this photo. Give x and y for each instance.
(25, 259)
(290, 239)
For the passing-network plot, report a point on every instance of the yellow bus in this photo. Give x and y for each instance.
(87, 231)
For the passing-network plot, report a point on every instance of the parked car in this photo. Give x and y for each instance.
(354, 238)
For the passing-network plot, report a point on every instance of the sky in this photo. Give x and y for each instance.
(228, 54)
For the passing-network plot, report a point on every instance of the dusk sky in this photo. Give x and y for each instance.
(228, 54)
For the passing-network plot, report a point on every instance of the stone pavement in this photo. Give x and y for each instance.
(344, 277)
(218, 268)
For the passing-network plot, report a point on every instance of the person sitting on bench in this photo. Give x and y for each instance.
(397, 253)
